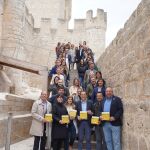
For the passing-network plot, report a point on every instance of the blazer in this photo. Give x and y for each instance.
(79, 108)
(86, 76)
(95, 91)
(116, 110)
(78, 56)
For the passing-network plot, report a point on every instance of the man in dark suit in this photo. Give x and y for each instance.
(84, 125)
(112, 128)
(79, 54)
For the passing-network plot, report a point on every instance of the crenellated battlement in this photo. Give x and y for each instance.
(31, 29)
(99, 21)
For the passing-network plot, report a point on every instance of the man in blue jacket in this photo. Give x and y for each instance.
(84, 124)
(112, 128)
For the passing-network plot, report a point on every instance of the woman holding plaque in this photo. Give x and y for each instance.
(72, 125)
(73, 89)
(59, 127)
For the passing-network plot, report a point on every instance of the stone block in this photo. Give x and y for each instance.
(142, 144)
(133, 88)
(133, 144)
(147, 87)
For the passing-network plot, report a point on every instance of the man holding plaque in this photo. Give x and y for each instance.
(84, 111)
(100, 141)
(111, 113)
(41, 127)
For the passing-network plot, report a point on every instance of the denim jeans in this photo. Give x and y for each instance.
(100, 140)
(84, 130)
(82, 82)
(112, 136)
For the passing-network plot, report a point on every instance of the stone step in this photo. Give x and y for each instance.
(93, 145)
(73, 74)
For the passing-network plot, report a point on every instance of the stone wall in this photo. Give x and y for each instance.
(55, 25)
(1, 19)
(21, 122)
(30, 31)
(126, 67)
(54, 9)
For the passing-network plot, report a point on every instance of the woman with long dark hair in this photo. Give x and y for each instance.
(99, 88)
(59, 129)
(72, 125)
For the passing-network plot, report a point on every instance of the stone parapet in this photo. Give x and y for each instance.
(21, 122)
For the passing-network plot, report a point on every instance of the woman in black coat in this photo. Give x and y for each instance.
(59, 130)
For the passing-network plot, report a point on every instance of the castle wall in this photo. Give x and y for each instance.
(54, 9)
(31, 34)
(1, 20)
(126, 67)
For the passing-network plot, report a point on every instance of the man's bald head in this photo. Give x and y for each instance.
(43, 96)
(109, 92)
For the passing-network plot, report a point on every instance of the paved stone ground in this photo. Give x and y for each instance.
(23, 145)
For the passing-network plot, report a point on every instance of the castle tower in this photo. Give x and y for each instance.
(13, 38)
(1, 20)
(96, 31)
(53, 9)
(12, 28)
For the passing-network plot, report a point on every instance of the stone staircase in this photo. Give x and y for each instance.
(74, 74)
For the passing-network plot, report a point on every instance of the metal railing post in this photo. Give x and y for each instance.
(8, 134)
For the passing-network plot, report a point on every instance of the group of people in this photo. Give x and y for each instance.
(87, 94)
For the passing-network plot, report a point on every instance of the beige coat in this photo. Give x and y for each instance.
(37, 126)
(73, 90)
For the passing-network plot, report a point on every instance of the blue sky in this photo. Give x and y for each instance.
(118, 11)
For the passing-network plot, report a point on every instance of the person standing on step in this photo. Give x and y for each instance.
(61, 91)
(41, 128)
(112, 128)
(54, 68)
(88, 73)
(84, 125)
(81, 72)
(59, 129)
(99, 88)
(90, 87)
(60, 84)
(72, 125)
(58, 74)
(77, 97)
(73, 89)
(79, 54)
(100, 140)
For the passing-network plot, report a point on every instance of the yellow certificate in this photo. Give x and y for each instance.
(48, 117)
(95, 120)
(65, 119)
(83, 115)
(106, 116)
(73, 113)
